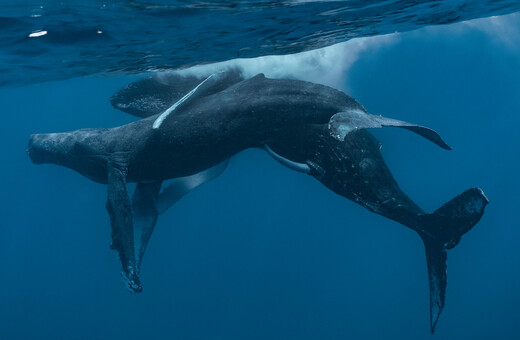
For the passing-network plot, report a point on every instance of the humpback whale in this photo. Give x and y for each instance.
(191, 126)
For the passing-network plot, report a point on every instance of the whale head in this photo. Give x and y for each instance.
(55, 148)
(78, 150)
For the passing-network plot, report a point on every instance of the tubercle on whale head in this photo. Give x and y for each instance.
(52, 148)
(83, 151)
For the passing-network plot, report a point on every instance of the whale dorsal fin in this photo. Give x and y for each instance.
(155, 94)
(343, 123)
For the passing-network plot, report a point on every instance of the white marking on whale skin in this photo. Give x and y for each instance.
(37, 34)
(342, 124)
(157, 123)
(300, 167)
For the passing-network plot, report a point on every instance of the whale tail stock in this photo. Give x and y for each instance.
(361, 175)
(441, 231)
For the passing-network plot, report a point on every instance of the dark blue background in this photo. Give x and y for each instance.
(266, 253)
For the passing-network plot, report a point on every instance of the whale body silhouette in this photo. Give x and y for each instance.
(191, 127)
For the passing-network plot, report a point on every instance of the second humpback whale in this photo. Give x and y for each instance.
(191, 127)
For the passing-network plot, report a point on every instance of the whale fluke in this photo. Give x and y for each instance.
(442, 230)
(343, 123)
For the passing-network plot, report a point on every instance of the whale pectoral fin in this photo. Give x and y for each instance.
(206, 87)
(187, 98)
(178, 187)
(343, 123)
(144, 207)
(121, 220)
(300, 167)
(212, 84)
(153, 95)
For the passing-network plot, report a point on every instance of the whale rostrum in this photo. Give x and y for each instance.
(191, 126)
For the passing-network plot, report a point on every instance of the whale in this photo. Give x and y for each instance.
(190, 126)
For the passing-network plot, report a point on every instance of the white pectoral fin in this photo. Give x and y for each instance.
(199, 91)
(186, 98)
(343, 123)
(300, 167)
(176, 188)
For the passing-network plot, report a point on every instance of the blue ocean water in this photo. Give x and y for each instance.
(51, 40)
(263, 252)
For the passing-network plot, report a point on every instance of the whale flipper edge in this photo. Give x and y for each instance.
(343, 123)
(119, 209)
